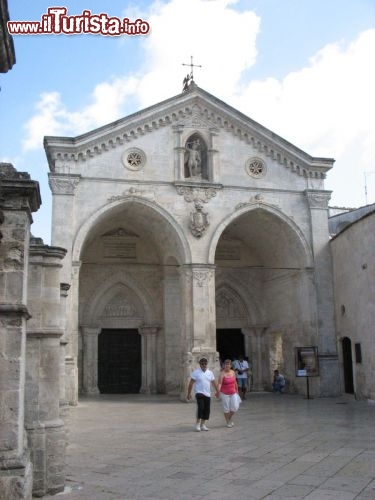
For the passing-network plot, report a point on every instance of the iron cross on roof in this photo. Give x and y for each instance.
(189, 77)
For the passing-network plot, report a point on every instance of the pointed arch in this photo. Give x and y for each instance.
(120, 283)
(241, 295)
(173, 228)
(303, 247)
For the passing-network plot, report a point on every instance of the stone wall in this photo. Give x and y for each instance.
(19, 197)
(354, 281)
(32, 433)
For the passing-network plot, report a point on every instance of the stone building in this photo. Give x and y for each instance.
(7, 54)
(353, 255)
(184, 229)
(190, 229)
(32, 434)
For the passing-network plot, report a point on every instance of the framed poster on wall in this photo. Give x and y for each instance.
(307, 363)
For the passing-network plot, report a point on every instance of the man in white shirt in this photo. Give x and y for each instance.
(202, 378)
(241, 367)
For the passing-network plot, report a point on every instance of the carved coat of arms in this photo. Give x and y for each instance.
(199, 221)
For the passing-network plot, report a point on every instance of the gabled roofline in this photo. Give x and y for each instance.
(173, 110)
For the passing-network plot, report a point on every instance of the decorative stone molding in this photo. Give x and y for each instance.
(133, 159)
(318, 199)
(227, 306)
(63, 184)
(64, 289)
(257, 199)
(14, 256)
(197, 110)
(132, 191)
(119, 306)
(202, 277)
(256, 167)
(193, 193)
(199, 221)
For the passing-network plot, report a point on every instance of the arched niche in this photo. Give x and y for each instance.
(195, 158)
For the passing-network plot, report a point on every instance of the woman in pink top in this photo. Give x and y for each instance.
(228, 389)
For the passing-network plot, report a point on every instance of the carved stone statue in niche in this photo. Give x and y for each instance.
(195, 158)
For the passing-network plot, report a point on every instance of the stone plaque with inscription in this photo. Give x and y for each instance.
(120, 244)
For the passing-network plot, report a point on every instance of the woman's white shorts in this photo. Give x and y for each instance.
(230, 402)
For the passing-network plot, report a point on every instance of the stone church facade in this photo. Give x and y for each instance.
(183, 230)
(190, 229)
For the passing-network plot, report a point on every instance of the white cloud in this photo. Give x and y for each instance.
(52, 117)
(207, 28)
(326, 108)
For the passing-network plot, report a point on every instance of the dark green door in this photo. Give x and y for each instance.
(119, 362)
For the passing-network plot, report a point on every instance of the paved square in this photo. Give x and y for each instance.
(126, 447)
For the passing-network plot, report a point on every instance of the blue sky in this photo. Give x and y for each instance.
(302, 68)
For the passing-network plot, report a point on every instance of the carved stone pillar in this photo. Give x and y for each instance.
(199, 283)
(149, 359)
(64, 288)
(71, 336)
(323, 280)
(254, 339)
(90, 360)
(199, 318)
(19, 197)
(63, 186)
(179, 154)
(212, 164)
(45, 428)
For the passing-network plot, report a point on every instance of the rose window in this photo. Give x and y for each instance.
(134, 159)
(255, 167)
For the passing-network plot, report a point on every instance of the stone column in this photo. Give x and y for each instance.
(323, 279)
(19, 197)
(149, 384)
(45, 428)
(72, 335)
(212, 163)
(172, 330)
(254, 339)
(200, 296)
(179, 157)
(90, 360)
(63, 187)
(198, 319)
(64, 289)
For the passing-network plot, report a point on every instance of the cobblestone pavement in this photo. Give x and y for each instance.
(125, 447)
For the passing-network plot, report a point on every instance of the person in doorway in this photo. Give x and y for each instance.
(249, 374)
(228, 389)
(278, 383)
(241, 367)
(202, 378)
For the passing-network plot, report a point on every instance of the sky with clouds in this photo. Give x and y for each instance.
(302, 68)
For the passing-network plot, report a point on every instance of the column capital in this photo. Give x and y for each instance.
(149, 330)
(90, 330)
(63, 184)
(200, 273)
(318, 199)
(64, 289)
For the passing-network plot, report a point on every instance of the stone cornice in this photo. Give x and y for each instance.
(177, 112)
(18, 185)
(14, 310)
